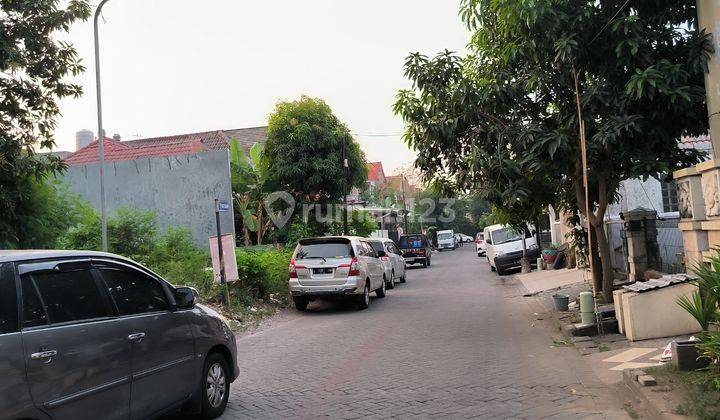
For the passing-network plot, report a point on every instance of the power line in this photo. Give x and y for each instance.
(609, 22)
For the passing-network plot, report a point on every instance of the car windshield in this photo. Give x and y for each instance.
(324, 250)
(444, 236)
(505, 235)
(413, 241)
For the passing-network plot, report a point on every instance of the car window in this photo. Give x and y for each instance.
(66, 296)
(134, 292)
(377, 246)
(413, 241)
(323, 250)
(8, 300)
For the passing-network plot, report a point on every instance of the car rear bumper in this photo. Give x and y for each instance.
(513, 259)
(349, 288)
(415, 260)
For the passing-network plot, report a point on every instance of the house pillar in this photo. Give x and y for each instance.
(642, 244)
(709, 19)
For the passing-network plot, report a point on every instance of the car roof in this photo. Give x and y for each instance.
(495, 227)
(10, 255)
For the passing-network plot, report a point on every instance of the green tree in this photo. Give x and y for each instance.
(304, 151)
(508, 112)
(34, 67)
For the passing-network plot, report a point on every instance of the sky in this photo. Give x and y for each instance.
(180, 66)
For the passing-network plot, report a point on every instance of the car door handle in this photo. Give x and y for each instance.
(46, 355)
(136, 337)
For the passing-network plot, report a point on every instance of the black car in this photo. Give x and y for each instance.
(416, 249)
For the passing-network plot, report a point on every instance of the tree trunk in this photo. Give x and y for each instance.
(524, 262)
(261, 223)
(596, 263)
(246, 235)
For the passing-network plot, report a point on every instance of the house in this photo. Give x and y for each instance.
(376, 174)
(178, 177)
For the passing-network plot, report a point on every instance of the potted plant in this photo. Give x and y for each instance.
(549, 254)
(703, 306)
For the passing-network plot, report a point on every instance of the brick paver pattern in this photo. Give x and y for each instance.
(455, 341)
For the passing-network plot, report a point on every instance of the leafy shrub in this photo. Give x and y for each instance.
(264, 273)
(175, 258)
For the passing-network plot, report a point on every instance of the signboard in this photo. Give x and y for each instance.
(223, 206)
(231, 269)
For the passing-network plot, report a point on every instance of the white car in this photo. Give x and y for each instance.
(504, 247)
(446, 240)
(393, 262)
(465, 238)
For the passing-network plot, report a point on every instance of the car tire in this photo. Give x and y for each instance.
(403, 278)
(501, 272)
(425, 263)
(363, 300)
(429, 262)
(380, 292)
(301, 304)
(391, 284)
(215, 386)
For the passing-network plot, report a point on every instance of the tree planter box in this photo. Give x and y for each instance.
(685, 356)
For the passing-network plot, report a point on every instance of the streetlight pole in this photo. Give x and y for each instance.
(101, 134)
(345, 188)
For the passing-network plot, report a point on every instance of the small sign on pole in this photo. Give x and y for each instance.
(223, 206)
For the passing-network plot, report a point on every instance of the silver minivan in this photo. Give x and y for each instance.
(335, 267)
(97, 336)
(393, 262)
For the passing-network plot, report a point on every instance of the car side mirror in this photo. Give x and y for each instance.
(381, 254)
(184, 297)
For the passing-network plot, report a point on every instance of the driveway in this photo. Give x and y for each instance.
(455, 341)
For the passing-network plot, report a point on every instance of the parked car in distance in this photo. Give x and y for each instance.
(504, 247)
(480, 244)
(416, 249)
(446, 240)
(97, 336)
(465, 238)
(393, 261)
(335, 267)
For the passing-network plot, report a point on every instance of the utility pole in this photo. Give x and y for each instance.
(345, 187)
(402, 189)
(101, 134)
(221, 260)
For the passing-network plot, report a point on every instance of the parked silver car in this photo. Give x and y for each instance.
(97, 336)
(335, 267)
(393, 261)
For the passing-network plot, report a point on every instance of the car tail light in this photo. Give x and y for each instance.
(354, 267)
(421, 251)
(293, 269)
(385, 258)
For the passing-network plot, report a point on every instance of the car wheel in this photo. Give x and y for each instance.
(301, 304)
(404, 276)
(381, 291)
(364, 299)
(391, 283)
(500, 271)
(425, 263)
(429, 262)
(215, 386)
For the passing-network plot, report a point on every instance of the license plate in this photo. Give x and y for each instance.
(322, 270)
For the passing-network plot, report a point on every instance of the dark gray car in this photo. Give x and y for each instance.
(97, 336)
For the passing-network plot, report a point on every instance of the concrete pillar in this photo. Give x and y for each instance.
(641, 234)
(709, 19)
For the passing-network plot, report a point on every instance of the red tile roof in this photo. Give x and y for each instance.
(376, 172)
(166, 146)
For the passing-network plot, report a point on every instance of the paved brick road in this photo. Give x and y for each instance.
(455, 341)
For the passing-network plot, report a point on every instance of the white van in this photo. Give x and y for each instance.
(504, 247)
(446, 239)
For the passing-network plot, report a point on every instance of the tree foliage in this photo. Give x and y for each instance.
(504, 120)
(304, 151)
(34, 66)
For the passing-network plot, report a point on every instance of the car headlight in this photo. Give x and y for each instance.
(499, 253)
(533, 246)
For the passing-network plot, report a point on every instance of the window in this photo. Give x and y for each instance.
(323, 250)
(669, 196)
(413, 241)
(377, 246)
(134, 292)
(67, 296)
(8, 300)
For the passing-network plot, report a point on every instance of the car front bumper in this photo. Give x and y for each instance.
(513, 259)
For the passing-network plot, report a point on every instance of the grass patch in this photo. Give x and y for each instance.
(631, 411)
(604, 347)
(698, 390)
(560, 342)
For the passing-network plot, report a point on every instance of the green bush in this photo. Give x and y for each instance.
(264, 273)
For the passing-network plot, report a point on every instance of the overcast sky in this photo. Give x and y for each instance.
(180, 66)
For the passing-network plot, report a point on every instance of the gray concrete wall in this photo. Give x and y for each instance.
(180, 189)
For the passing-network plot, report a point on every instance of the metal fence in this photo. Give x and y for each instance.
(618, 246)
